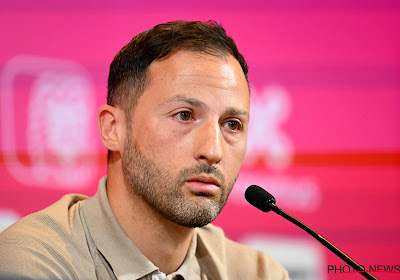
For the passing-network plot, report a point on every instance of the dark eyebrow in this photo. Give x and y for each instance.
(236, 112)
(192, 101)
(231, 111)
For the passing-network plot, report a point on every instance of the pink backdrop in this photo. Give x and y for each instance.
(325, 131)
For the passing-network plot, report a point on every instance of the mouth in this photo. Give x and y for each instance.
(205, 184)
(205, 179)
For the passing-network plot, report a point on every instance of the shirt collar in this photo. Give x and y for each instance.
(124, 257)
(190, 268)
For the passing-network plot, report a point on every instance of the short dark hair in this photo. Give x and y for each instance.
(128, 71)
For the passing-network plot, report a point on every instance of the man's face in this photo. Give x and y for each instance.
(188, 136)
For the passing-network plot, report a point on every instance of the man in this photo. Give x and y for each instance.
(175, 125)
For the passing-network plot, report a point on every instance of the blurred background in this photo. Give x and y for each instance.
(325, 120)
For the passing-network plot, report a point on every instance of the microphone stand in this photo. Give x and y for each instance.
(324, 242)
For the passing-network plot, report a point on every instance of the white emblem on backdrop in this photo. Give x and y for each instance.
(302, 257)
(59, 121)
(7, 218)
(270, 109)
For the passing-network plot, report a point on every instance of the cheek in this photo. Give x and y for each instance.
(235, 159)
(164, 145)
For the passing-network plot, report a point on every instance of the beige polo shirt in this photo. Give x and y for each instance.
(80, 238)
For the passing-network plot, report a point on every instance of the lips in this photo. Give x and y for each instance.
(205, 179)
(204, 184)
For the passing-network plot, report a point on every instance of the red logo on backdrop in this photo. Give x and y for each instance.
(47, 113)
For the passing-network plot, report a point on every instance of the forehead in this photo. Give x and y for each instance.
(183, 58)
(194, 69)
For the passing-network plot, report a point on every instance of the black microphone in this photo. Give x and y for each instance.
(261, 199)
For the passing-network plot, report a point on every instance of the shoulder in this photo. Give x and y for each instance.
(240, 261)
(44, 243)
(55, 220)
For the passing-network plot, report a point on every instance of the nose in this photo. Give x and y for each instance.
(209, 143)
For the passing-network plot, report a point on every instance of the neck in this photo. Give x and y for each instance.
(163, 242)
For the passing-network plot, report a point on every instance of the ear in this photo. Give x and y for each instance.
(111, 123)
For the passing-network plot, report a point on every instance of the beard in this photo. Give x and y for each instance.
(164, 192)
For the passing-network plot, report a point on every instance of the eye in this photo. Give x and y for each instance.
(233, 125)
(184, 116)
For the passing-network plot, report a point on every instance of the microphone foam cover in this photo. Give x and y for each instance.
(259, 198)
